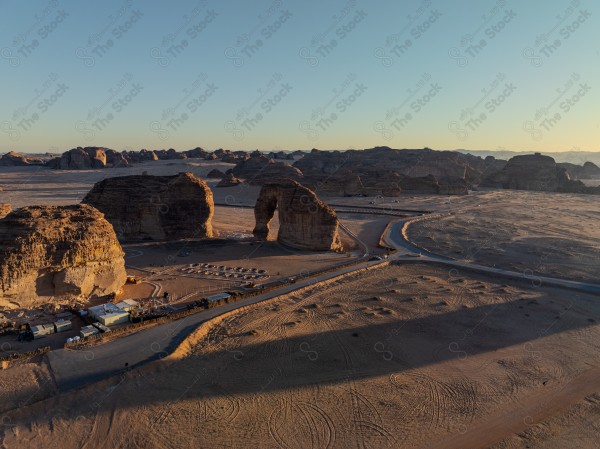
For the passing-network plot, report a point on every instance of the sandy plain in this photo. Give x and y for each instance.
(414, 355)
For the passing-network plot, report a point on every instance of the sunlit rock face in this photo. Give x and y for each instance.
(305, 222)
(155, 207)
(52, 254)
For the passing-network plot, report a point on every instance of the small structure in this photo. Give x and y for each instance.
(87, 331)
(101, 327)
(41, 330)
(127, 305)
(63, 325)
(110, 319)
(218, 297)
(108, 314)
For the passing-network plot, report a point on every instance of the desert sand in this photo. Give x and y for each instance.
(410, 355)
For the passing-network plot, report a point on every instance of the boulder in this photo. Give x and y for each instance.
(229, 181)
(5, 209)
(58, 254)
(13, 159)
(155, 207)
(305, 222)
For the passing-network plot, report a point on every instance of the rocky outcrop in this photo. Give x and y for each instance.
(588, 170)
(229, 180)
(214, 173)
(4, 209)
(13, 159)
(141, 156)
(258, 170)
(305, 222)
(80, 159)
(115, 159)
(155, 207)
(58, 254)
(533, 172)
(384, 171)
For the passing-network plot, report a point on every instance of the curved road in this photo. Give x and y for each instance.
(75, 368)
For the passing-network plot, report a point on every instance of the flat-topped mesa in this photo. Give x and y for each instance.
(305, 222)
(143, 207)
(534, 172)
(58, 254)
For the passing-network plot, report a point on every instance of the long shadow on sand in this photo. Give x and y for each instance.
(264, 362)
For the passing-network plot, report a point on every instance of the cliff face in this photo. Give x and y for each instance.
(155, 207)
(305, 222)
(58, 254)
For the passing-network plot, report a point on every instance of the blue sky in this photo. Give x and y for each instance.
(296, 75)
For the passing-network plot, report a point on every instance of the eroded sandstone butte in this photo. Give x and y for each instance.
(58, 254)
(534, 172)
(143, 207)
(305, 222)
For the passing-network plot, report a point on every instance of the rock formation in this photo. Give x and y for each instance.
(214, 173)
(305, 222)
(383, 171)
(116, 159)
(589, 170)
(533, 172)
(13, 159)
(229, 180)
(258, 170)
(65, 252)
(4, 209)
(79, 159)
(155, 207)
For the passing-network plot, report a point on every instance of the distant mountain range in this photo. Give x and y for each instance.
(573, 157)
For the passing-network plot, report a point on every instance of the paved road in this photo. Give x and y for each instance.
(75, 368)
(406, 252)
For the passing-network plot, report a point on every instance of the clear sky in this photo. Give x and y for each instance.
(466, 74)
